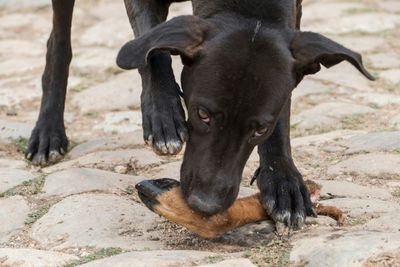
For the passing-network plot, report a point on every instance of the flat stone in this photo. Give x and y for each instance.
(20, 88)
(12, 164)
(69, 117)
(19, 21)
(356, 207)
(347, 189)
(321, 221)
(241, 262)
(390, 6)
(10, 131)
(318, 10)
(25, 48)
(309, 87)
(94, 59)
(391, 76)
(121, 122)
(33, 88)
(250, 234)
(320, 139)
(107, 160)
(388, 222)
(76, 181)
(107, 10)
(13, 211)
(344, 75)
(379, 100)
(11, 96)
(342, 249)
(384, 60)
(390, 258)
(395, 122)
(381, 166)
(18, 66)
(111, 32)
(373, 142)
(96, 220)
(179, 9)
(33, 257)
(169, 170)
(108, 143)
(364, 22)
(24, 3)
(326, 114)
(156, 258)
(12, 177)
(120, 93)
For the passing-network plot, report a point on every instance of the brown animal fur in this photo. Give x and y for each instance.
(243, 211)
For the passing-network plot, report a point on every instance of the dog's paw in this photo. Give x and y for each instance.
(48, 143)
(284, 194)
(164, 124)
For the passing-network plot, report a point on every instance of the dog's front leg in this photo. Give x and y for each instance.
(48, 140)
(283, 192)
(163, 116)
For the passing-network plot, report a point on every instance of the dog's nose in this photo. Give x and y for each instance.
(204, 204)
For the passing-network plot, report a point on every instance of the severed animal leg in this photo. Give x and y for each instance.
(164, 197)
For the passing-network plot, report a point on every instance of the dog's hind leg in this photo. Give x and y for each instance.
(48, 141)
(164, 124)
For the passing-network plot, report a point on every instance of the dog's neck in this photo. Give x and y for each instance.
(280, 13)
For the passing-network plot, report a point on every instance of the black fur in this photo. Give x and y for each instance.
(242, 60)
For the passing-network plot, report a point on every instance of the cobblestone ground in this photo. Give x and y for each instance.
(346, 135)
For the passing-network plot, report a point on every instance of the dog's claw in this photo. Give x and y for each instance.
(282, 229)
(184, 136)
(39, 160)
(47, 144)
(255, 175)
(174, 147)
(54, 156)
(149, 140)
(28, 156)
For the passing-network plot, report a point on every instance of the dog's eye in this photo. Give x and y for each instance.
(204, 116)
(260, 132)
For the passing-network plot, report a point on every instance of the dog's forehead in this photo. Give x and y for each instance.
(246, 59)
(251, 52)
(245, 73)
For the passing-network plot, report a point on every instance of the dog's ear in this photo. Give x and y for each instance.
(182, 35)
(312, 49)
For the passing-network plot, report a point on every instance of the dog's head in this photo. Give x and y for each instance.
(238, 74)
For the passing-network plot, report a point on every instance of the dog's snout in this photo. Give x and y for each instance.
(204, 204)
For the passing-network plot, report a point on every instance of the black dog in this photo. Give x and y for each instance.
(242, 59)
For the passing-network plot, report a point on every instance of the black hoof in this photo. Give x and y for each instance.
(150, 190)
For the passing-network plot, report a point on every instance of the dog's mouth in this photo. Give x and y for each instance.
(149, 191)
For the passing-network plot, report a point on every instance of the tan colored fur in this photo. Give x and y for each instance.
(243, 211)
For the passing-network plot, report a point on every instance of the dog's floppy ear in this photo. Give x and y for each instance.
(312, 49)
(182, 35)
